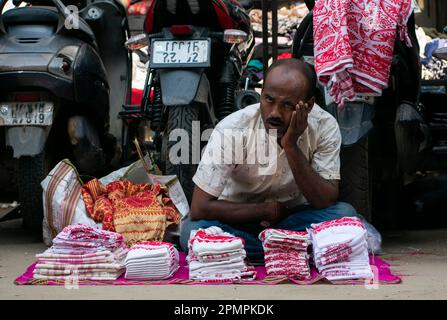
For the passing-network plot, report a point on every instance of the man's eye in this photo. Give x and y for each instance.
(288, 106)
(268, 98)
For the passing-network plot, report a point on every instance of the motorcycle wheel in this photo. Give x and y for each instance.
(181, 117)
(32, 170)
(356, 180)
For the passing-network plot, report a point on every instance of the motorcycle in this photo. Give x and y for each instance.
(386, 139)
(63, 80)
(198, 50)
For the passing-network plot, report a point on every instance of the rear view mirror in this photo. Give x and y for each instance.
(234, 36)
(136, 42)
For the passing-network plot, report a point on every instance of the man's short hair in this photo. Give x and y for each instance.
(300, 66)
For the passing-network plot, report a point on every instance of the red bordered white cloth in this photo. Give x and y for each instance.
(340, 250)
(215, 255)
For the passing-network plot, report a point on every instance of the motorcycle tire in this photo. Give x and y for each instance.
(181, 117)
(356, 179)
(32, 170)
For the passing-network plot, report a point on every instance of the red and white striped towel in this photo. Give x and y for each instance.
(83, 252)
(285, 253)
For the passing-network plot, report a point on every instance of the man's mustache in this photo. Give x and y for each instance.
(275, 121)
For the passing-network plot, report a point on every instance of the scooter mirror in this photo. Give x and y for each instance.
(234, 36)
(136, 42)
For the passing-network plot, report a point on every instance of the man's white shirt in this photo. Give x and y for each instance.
(243, 163)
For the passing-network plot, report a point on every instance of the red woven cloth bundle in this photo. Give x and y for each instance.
(140, 212)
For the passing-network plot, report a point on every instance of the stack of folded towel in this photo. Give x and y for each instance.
(215, 255)
(83, 253)
(152, 260)
(285, 253)
(340, 249)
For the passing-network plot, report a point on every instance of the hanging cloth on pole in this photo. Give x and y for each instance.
(354, 43)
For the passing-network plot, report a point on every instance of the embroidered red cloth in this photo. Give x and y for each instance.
(140, 212)
(354, 43)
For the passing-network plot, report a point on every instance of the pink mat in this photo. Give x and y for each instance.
(182, 277)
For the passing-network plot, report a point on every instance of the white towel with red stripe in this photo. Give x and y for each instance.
(340, 249)
(215, 255)
(151, 260)
(285, 253)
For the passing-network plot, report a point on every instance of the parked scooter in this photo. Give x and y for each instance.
(386, 139)
(63, 80)
(198, 50)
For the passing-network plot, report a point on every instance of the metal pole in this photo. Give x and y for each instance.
(274, 7)
(265, 32)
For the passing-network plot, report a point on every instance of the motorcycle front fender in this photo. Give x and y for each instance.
(182, 87)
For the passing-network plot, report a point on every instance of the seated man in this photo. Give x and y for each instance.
(302, 188)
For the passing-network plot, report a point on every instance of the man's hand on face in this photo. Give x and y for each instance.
(276, 212)
(298, 124)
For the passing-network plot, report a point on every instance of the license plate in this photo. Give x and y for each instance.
(26, 113)
(174, 53)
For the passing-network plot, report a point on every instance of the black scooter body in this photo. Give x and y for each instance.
(75, 68)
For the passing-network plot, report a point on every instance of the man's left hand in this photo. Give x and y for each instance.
(297, 126)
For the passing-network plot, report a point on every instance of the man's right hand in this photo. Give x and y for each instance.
(276, 212)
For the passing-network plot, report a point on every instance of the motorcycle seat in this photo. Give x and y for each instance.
(30, 15)
(46, 16)
(217, 15)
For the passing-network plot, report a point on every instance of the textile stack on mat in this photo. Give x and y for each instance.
(215, 255)
(83, 253)
(285, 253)
(340, 250)
(151, 260)
(140, 212)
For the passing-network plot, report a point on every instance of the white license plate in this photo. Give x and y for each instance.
(26, 113)
(176, 52)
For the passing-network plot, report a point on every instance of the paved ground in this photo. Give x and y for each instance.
(419, 256)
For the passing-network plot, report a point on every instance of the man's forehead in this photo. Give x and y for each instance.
(281, 74)
(283, 79)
